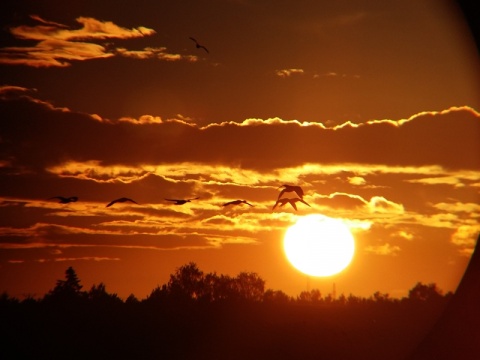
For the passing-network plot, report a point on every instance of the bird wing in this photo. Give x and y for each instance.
(299, 191)
(248, 203)
(204, 48)
(193, 199)
(228, 203)
(303, 201)
(112, 202)
(131, 200)
(274, 206)
(281, 193)
(293, 204)
(191, 38)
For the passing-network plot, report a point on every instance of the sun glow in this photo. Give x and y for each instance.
(319, 246)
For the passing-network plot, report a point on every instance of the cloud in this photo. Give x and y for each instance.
(263, 122)
(86, 258)
(378, 204)
(46, 22)
(93, 170)
(404, 235)
(154, 53)
(149, 154)
(356, 180)
(284, 73)
(145, 119)
(12, 91)
(439, 180)
(13, 261)
(58, 45)
(333, 74)
(385, 249)
(254, 145)
(52, 53)
(465, 238)
(50, 150)
(469, 208)
(91, 29)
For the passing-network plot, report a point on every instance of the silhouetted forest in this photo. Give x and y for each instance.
(199, 315)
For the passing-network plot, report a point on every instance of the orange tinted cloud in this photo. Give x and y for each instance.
(91, 29)
(154, 53)
(385, 249)
(288, 72)
(59, 46)
(360, 173)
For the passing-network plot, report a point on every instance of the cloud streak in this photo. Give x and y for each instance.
(146, 159)
(58, 45)
(425, 141)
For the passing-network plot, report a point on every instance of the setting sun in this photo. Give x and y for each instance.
(267, 171)
(319, 246)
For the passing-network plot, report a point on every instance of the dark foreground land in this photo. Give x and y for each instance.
(210, 316)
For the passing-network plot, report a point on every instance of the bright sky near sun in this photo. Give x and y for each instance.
(372, 107)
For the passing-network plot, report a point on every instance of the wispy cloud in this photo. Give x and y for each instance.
(86, 258)
(91, 29)
(284, 73)
(465, 238)
(473, 209)
(356, 180)
(154, 53)
(385, 249)
(58, 45)
(333, 74)
(379, 192)
(404, 235)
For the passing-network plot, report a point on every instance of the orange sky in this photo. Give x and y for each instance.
(371, 107)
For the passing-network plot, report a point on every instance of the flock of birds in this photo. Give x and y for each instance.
(280, 200)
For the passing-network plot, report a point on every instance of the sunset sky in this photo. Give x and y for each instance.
(372, 107)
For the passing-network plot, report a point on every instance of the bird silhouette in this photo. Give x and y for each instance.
(291, 201)
(122, 199)
(198, 46)
(237, 202)
(181, 201)
(65, 200)
(291, 188)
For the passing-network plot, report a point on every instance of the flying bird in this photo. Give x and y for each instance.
(181, 201)
(122, 199)
(65, 200)
(237, 202)
(198, 46)
(291, 201)
(291, 188)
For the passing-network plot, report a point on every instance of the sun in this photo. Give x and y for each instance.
(318, 245)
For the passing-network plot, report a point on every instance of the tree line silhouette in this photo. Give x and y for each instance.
(198, 315)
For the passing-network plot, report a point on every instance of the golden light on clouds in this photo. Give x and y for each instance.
(381, 140)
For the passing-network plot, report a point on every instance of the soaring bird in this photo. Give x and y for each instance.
(122, 199)
(65, 200)
(237, 202)
(198, 46)
(291, 188)
(291, 201)
(181, 201)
